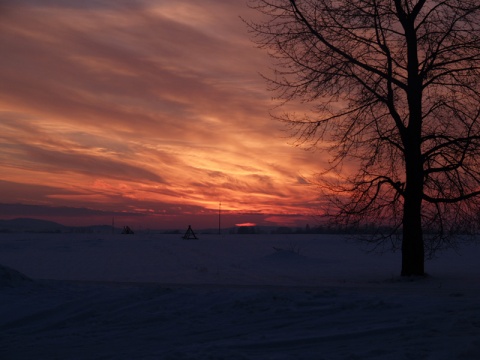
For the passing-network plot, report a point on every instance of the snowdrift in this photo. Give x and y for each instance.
(10, 277)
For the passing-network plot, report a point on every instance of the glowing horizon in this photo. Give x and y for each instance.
(147, 108)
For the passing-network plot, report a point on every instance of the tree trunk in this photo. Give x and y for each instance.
(412, 243)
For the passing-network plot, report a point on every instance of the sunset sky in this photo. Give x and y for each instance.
(149, 111)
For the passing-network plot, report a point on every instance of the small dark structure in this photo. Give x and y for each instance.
(127, 230)
(189, 234)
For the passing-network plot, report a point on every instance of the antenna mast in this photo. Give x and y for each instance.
(219, 215)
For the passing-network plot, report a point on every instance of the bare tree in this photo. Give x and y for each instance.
(393, 93)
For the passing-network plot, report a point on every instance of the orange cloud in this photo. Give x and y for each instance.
(131, 105)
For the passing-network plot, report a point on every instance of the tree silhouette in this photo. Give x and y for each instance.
(392, 89)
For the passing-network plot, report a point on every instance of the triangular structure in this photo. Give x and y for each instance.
(127, 230)
(189, 234)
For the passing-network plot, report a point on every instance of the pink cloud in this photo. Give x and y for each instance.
(159, 101)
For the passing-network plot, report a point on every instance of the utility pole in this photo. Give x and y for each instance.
(219, 215)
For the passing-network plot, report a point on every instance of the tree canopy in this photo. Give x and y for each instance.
(393, 91)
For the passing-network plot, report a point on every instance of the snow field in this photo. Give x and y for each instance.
(230, 297)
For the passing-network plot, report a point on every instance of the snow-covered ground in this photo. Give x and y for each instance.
(97, 296)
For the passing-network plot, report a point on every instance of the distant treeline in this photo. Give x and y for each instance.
(319, 229)
(42, 226)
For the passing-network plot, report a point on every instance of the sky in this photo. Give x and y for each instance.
(149, 112)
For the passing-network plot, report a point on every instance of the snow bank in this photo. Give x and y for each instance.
(10, 277)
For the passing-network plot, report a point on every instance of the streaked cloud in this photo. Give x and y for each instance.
(149, 107)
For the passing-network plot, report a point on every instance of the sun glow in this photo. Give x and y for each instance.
(131, 122)
(247, 224)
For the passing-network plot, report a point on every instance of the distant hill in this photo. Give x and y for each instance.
(30, 225)
(45, 226)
